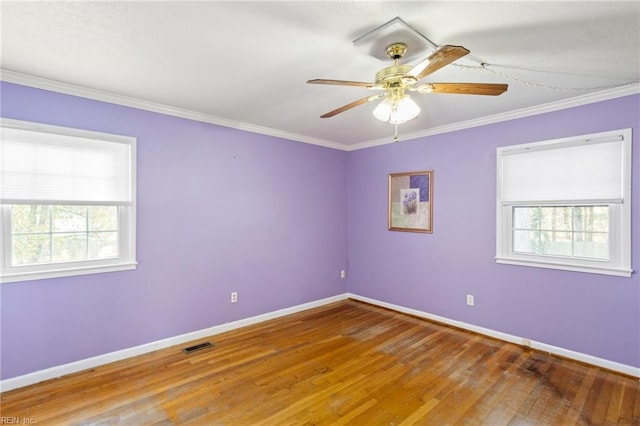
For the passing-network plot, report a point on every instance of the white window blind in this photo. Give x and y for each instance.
(49, 168)
(586, 170)
(67, 201)
(566, 203)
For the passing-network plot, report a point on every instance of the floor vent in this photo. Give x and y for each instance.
(197, 347)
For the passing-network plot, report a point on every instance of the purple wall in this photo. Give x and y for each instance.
(597, 315)
(222, 210)
(219, 210)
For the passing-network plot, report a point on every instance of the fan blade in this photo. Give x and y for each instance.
(349, 106)
(441, 57)
(345, 83)
(464, 88)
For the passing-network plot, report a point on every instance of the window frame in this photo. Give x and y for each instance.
(126, 259)
(619, 262)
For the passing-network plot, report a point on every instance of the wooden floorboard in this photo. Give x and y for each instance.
(347, 363)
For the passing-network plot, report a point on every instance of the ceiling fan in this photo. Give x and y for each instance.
(397, 107)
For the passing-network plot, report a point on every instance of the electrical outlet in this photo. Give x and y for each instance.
(526, 342)
(234, 297)
(470, 300)
(343, 273)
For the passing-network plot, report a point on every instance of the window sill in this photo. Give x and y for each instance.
(591, 269)
(67, 272)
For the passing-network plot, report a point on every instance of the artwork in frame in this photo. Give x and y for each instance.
(411, 202)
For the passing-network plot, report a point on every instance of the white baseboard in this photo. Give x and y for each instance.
(84, 364)
(566, 353)
(76, 366)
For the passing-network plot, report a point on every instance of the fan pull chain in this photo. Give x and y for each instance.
(485, 67)
(396, 138)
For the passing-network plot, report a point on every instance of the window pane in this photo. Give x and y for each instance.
(555, 218)
(592, 245)
(526, 217)
(103, 245)
(568, 231)
(592, 218)
(29, 249)
(30, 218)
(555, 243)
(103, 218)
(63, 233)
(69, 247)
(69, 218)
(526, 241)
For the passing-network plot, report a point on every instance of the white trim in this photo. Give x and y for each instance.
(104, 96)
(604, 95)
(622, 272)
(13, 277)
(535, 203)
(99, 95)
(566, 353)
(65, 131)
(84, 364)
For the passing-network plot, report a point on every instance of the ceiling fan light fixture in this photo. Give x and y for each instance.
(406, 110)
(383, 111)
(397, 111)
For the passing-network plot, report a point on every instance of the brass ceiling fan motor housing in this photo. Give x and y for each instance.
(392, 75)
(395, 75)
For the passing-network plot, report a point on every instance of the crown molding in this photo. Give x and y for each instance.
(104, 96)
(590, 98)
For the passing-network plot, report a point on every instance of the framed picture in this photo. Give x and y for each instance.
(411, 202)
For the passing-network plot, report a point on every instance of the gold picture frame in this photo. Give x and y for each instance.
(411, 202)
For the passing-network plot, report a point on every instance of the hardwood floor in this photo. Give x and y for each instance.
(344, 363)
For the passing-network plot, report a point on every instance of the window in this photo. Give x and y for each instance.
(566, 204)
(568, 231)
(67, 201)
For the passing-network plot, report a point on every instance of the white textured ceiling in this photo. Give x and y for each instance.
(246, 63)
